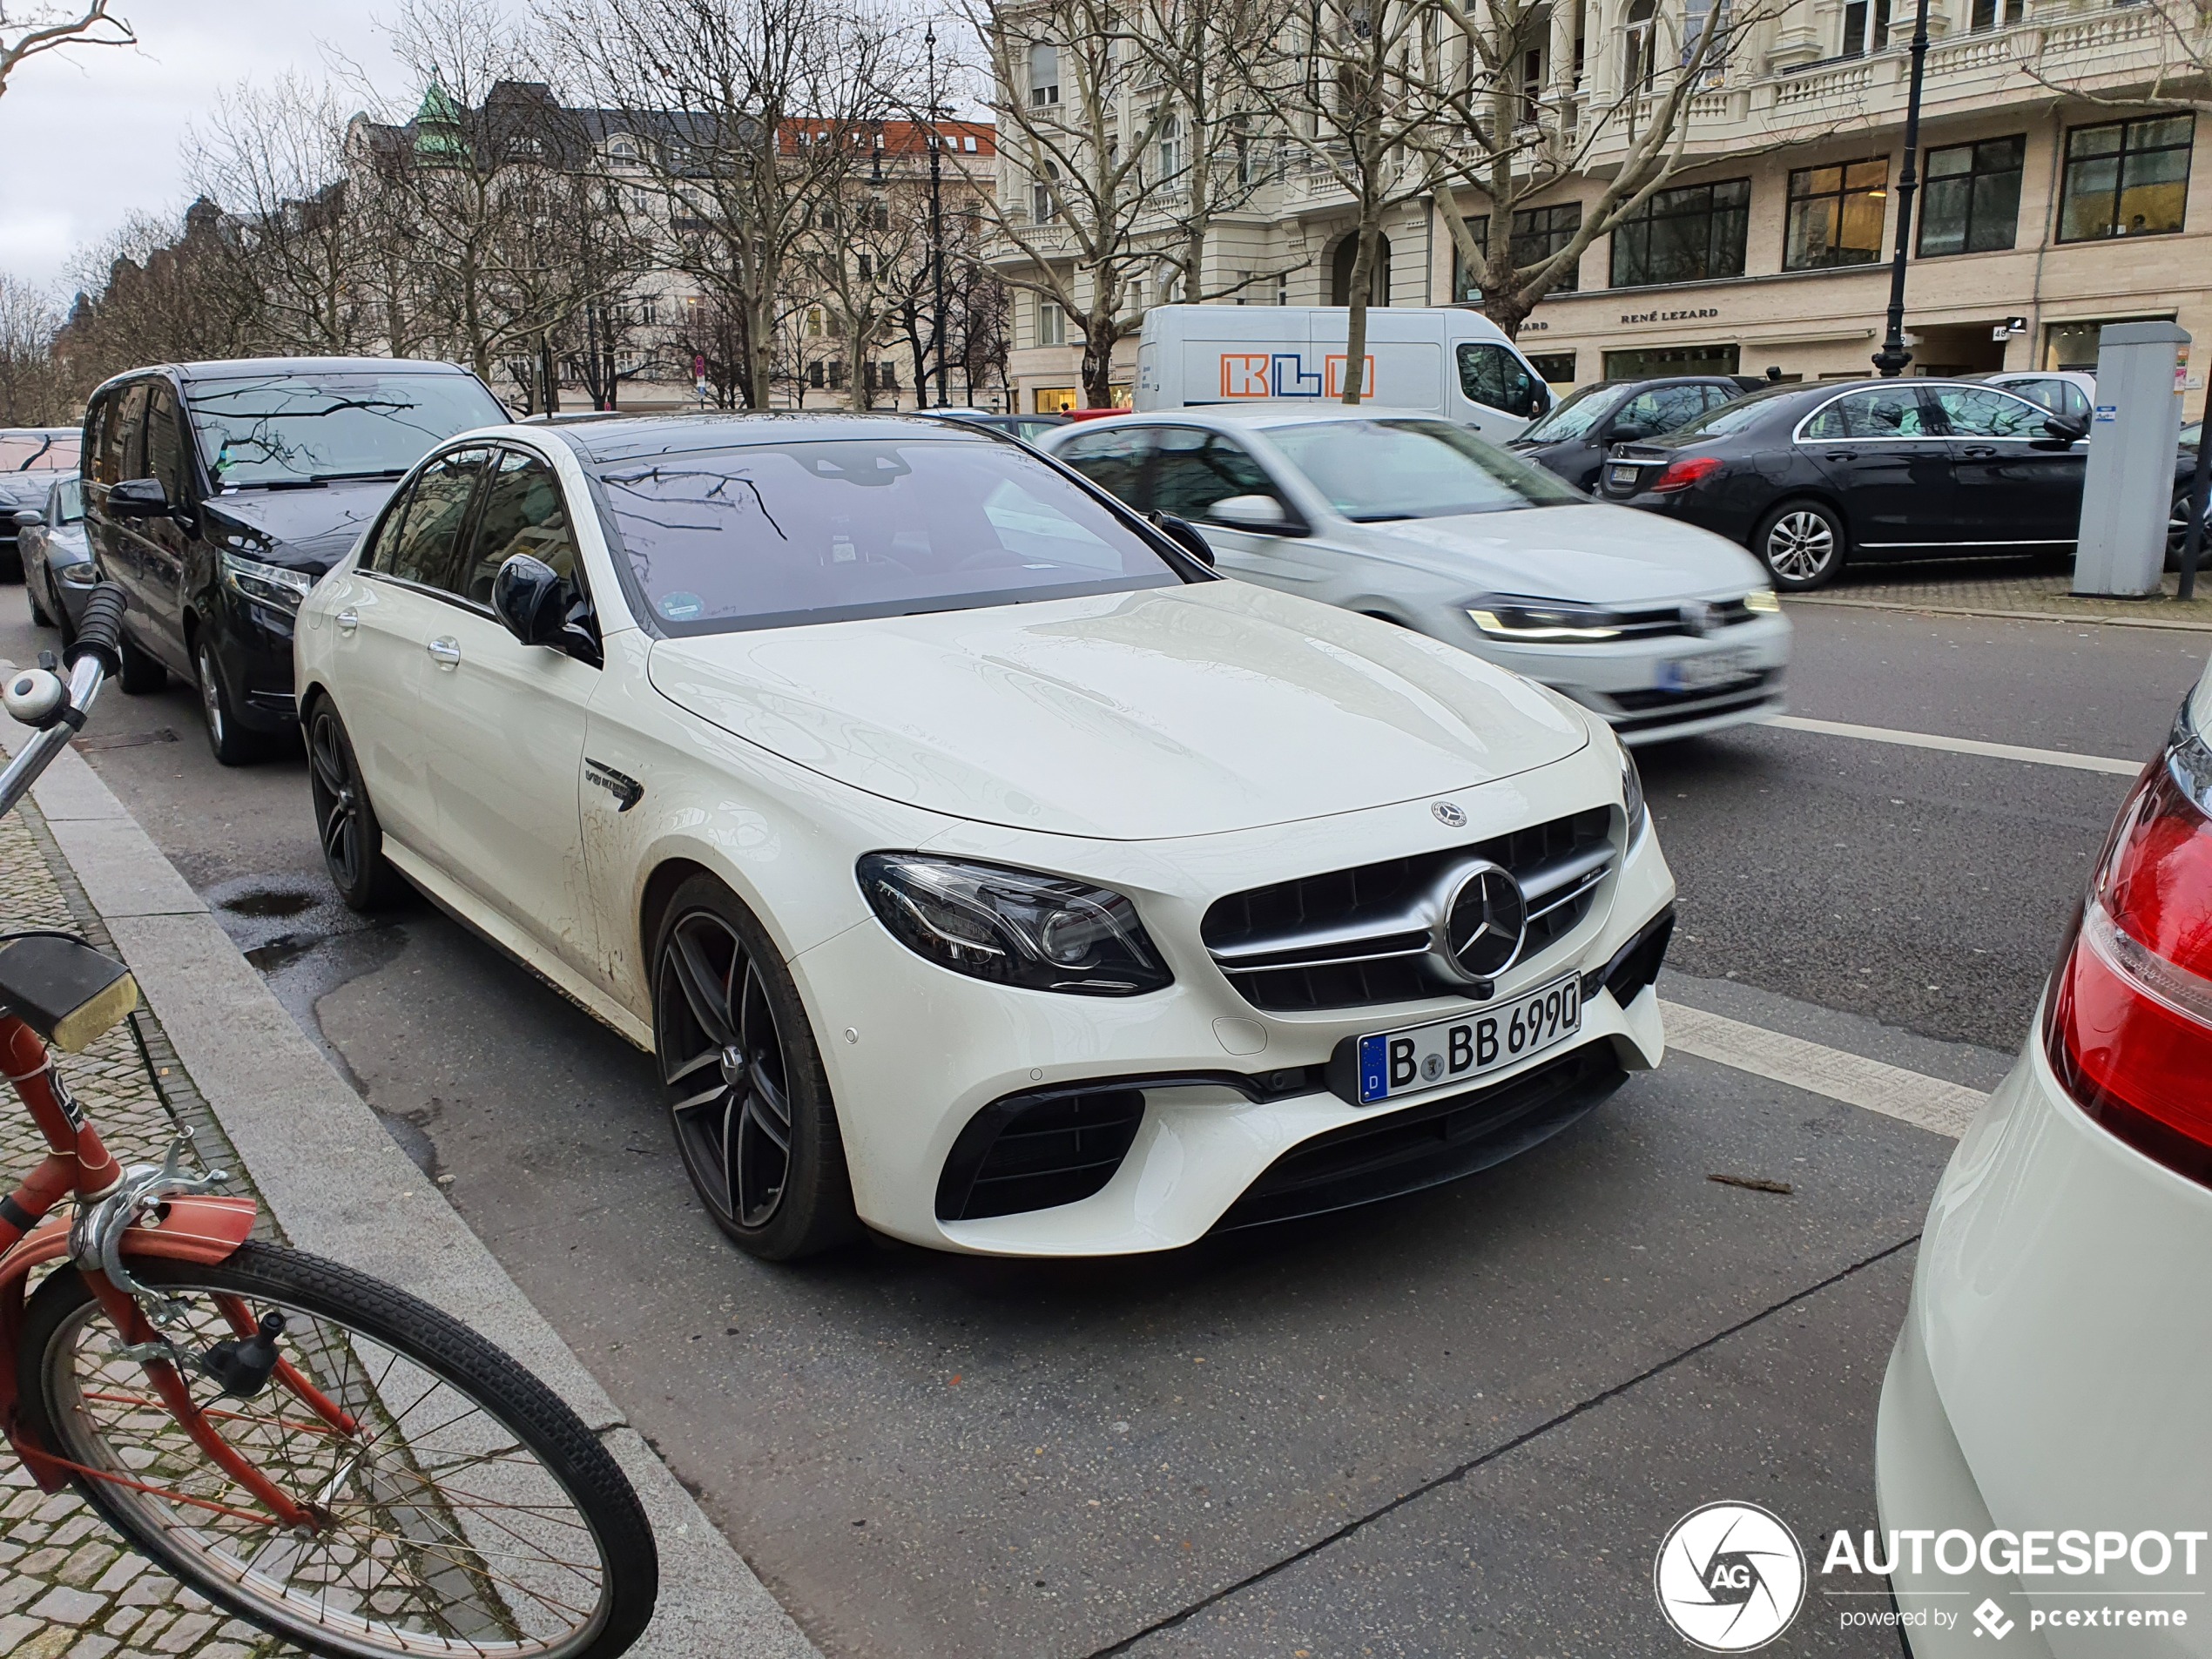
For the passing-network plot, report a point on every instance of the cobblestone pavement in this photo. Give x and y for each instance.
(69, 1589)
(1993, 588)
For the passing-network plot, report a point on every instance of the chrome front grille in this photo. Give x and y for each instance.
(1368, 935)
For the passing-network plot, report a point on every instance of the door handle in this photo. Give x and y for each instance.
(445, 652)
(1982, 451)
(348, 620)
(1841, 454)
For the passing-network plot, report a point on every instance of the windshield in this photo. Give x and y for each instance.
(301, 428)
(1732, 417)
(1373, 471)
(770, 536)
(38, 451)
(1582, 410)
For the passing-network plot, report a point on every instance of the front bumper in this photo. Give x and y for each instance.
(2051, 1375)
(254, 654)
(915, 1053)
(1627, 681)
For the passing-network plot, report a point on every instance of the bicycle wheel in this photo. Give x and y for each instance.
(459, 1507)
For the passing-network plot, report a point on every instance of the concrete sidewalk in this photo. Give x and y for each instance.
(1998, 588)
(332, 1181)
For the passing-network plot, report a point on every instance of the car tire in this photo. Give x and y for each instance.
(233, 746)
(1802, 545)
(749, 1100)
(141, 674)
(2177, 530)
(62, 618)
(38, 617)
(345, 822)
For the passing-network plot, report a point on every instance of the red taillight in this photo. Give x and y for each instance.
(2128, 1028)
(1680, 474)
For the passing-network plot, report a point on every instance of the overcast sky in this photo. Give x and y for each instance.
(88, 137)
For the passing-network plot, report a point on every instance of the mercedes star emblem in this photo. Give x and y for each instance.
(1486, 921)
(1700, 618)
(1449, 815)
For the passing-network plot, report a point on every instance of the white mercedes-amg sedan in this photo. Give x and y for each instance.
(979, 866)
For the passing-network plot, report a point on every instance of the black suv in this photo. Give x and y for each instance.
(1573, 439)
(216, 494)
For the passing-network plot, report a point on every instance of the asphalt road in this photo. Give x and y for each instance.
(1458, 1423)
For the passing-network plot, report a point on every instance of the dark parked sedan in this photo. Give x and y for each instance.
(30, 459)
(1028, 428)
(216, 494)
(1810, 476)
(1572, 441)
(57, 570)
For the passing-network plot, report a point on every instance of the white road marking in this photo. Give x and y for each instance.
(1911, 1096)
(1961, 746)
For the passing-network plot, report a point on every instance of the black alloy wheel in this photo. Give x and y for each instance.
(1802, 544)
(747, 1096)
(353, 841)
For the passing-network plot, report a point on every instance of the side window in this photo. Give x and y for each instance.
(1869, 414)
(426, 546)
(1717, 395)
(165, 443)
(1663, 408)
(522, 513)
(1198, 467)
(1971, 412)
(1493, 375)
(131, 432)
(1114, 460)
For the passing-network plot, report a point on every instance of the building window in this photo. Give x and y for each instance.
(836, 374)
(1538, 233)
(1043, 209)
(1866, 27)
(886, 374)
(1997, 14)
(1052, 324)
(1836, 215)
(2125, 178)
(1638, 59)
(814, 374)
(1170, 149)
(1689, 235)
(1644, 362)
(1971, 202)
(1044, 76)
(1557, 367)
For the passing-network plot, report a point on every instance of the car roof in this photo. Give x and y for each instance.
(653, 434)
(232, 367)
(1265, 412)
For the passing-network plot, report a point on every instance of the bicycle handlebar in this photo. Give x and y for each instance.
(96, 655)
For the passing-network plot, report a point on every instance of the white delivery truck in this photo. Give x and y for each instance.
(1442, 359)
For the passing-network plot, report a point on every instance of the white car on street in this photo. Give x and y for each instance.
(2048, 1393)
(1664, 629)
(976, 862)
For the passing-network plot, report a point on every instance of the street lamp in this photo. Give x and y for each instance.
(1889, 361)
(937, 219)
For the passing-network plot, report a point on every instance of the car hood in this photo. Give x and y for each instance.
(1175, 712)
(310, 528)
(1597, 554)
(21, 489)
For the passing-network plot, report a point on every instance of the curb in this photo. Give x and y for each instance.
(336, 1184)
(2002, 615)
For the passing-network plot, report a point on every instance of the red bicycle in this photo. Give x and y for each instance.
(311, 1450)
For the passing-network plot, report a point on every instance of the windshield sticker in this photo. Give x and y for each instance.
(682, 607)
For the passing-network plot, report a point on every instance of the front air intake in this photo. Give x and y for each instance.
(1033, 1151)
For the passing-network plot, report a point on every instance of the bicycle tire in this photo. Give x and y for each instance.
(377, 1601)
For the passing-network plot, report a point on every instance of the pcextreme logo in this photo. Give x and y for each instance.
(1729, 1577)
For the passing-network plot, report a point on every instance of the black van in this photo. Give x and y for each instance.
(216, 493)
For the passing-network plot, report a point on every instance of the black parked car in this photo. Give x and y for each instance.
(1572, 441)
(1028, 428)
(1809, 476)
(216, 494)
(32, 458)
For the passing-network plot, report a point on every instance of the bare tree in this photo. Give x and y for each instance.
(1510, 135)
(1084, 197)
(1351, 80)
(274, 157)
(30, 382)
(752, 116)
(157, 292)
(28, 30)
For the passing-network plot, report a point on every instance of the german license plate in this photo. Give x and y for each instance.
(1393, 1064)
(1623, 476)
(1702, 673)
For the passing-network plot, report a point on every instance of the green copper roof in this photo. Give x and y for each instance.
(437, 122)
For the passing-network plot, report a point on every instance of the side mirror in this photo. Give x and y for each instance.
(531, 601)
(1257, 515)
(2064, 430)
(29, 518)
(1185, 536)
(137, 498)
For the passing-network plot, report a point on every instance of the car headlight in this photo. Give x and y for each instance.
(1632, 801)
(271, 584)
(1045, 933)
(83, 574)
(1762, 599)
(1533, 620)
